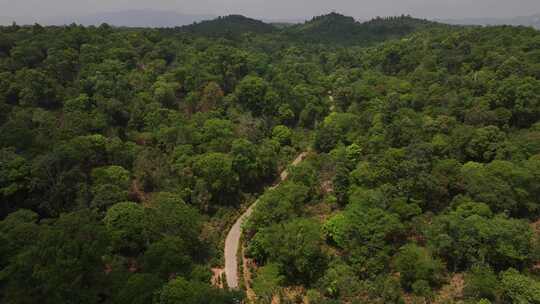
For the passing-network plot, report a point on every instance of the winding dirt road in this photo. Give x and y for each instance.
(233, 237)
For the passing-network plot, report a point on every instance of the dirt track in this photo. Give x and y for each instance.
(233, 237)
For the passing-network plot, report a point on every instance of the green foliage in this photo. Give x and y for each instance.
(388, 289)
(326, 139)
(110, 186)
(126, 228)
(180, 290)
(334, 228)
(295, 247)
(481, 283)
(171, 216)
(17, 231)
(245, 161)
(123, 153)
(217, 134)
(518, 288)
(229, 25)
(299, 253)
(418, 270)
(471, 234)
(139, 289)
(363, 226)
(165, 93)
(167, 257)
(267, 282)
(337, 127)
(422, 288)
(339, 282)
(35, 89)
(63, 263)
(505, 186)
(336, 28)
(365, 234)
(251, 93)
(14, 171)
(282, 134)
(278, 205)
(217, 170)
(304, 173)
(484, 143)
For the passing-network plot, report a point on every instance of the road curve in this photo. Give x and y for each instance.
(233, 237)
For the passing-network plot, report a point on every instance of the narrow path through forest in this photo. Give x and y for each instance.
(233, 237)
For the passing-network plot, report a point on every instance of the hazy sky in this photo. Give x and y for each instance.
(279, 9)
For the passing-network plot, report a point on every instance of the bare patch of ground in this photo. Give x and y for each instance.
(247, 265)
(217, 277)
(453, 291)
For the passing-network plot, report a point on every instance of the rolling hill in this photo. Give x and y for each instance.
(533, 21)
(227, 25)
(337, 28)
(127, 18)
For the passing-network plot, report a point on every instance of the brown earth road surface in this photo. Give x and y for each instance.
(233, 237)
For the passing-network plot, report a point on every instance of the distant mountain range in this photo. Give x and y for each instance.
(128, 18)
(132, 18)
(161, 18)
(533, 21)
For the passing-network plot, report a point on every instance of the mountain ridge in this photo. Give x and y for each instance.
(338, 28)
(532, 20)
(121, 18)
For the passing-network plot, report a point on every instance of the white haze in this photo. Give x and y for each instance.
(29, 11)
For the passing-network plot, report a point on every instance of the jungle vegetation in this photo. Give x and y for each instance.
(125, 155)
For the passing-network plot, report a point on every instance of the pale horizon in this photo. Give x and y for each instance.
(27, 11)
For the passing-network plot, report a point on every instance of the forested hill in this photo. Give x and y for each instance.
(337, 28)
(533, 21)
(229, 25)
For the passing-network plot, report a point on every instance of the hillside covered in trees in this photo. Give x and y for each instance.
(126, 154)
(229, 25)
(331, 29)
(343, 30)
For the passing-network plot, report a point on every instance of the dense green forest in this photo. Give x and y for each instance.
(126, 154)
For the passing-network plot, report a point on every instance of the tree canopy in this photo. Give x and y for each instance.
(126, 154)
